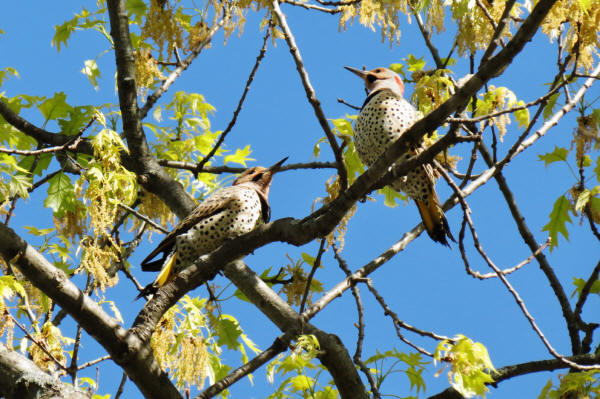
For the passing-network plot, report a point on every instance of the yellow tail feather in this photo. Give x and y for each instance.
(166, 272)
(435, 221)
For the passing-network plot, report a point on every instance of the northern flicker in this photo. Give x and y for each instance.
(383, 118)
(227, 213)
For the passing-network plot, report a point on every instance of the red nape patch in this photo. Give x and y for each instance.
(399, 81)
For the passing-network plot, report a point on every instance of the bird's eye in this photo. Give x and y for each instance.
(257, 177)
(371, 78)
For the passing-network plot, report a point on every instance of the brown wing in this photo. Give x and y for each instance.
(212, 205)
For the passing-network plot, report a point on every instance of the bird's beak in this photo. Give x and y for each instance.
(277, 166)
(358, 72)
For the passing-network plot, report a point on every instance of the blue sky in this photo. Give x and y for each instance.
(426, 285)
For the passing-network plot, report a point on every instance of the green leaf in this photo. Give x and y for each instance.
(579, 283)
(76, 119)
(60, 194)
(398, 68)
(327, 393)
(308, 258)
(6, 73)
(342, 127)
(63, 32)
(559, 154)
(228, 331)
(549, 108)
(39, 232)
(354, 165)
(9, 286)
(317, 148)
(522, 115)
(240, 156)
(19, 184)
(302, 383)
(55, 107)
(597, 169)
(415, 64)
(137, 8)
(91, 70)
(390, 196)
(471, 365)
(450, 61)
(558, 219)
(43, 161)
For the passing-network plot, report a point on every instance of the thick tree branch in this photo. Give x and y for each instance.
(20, 378)
(232, 169)
(132, 125)
(41, 135)
(125, 349)
(151, 175)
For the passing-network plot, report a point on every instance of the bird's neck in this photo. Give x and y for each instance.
(374, 93)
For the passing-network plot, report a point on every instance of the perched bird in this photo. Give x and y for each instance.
(227, 213)
(383, 118)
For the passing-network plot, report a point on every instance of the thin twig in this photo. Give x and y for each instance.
(216, 147)
(498, 29)
(427, 37)
(315, 266)
(93, 362)
(153, 98)
(509, 110)
(70, 145)
(144, 218)
(311, 95)
(361, 325)
(121, 386)
(585, 291)
(354, 107)
(486, 12)
(309, 6)
(279, 345)
(41, 345)
(398, 323)
(514, 293)
(470, 167)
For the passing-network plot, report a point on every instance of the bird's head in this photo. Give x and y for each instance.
(379, 79)
(259, 178)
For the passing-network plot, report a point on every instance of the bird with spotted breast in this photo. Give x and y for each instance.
(383, 118)
(225, 214)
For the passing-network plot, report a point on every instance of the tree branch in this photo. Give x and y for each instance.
(20, 378)
(231, 169)
(507, 372)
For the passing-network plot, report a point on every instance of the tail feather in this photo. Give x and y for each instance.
(165, 275)
(435, 221)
